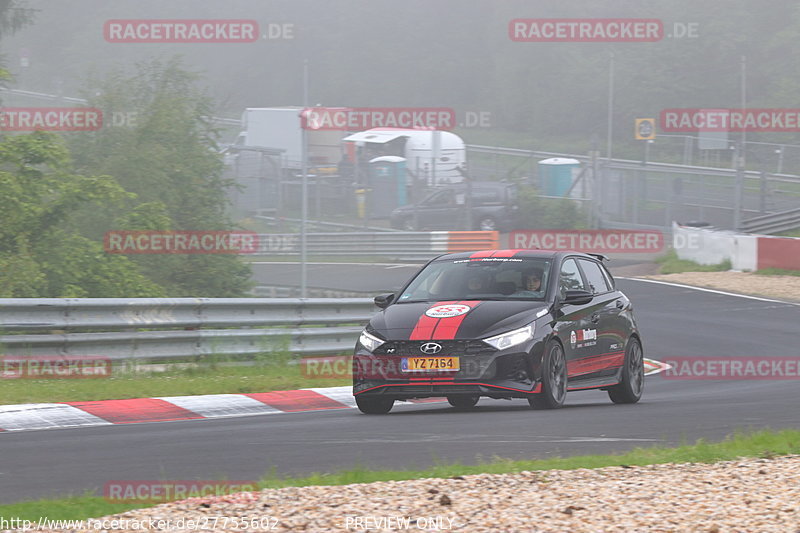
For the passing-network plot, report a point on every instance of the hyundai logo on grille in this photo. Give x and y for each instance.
(430, 348)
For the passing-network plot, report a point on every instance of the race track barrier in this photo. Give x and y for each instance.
(393, 245)
(155, 329)
(745, 251)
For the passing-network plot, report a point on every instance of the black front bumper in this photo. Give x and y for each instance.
(412, 390)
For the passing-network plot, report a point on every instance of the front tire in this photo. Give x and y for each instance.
(629, 390)
(554, 379)
(374, 406)
(463, 402)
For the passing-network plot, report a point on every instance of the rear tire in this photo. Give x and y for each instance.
(463, 402)
(374, 406)
(629, 390)
(486, 224)
(554, 379)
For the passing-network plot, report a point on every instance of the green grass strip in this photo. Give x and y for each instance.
(777, 272)
(203, 379)
(763, 443)
(670, 264)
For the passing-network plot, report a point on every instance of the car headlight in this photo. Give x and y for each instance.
(370, 342)
(512, 338)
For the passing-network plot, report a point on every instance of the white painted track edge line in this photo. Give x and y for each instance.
(714, 291)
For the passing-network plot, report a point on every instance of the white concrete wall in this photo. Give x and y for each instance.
(711, 247)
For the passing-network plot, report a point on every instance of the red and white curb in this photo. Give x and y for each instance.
(651, 366)
(23, 417)
(29, 416)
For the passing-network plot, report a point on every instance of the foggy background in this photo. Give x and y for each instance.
(453, 53)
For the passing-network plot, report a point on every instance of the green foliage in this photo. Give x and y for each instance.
(78, 267)
(166, 155)
(670, 264)
(777, 272)
(14, 16)
(39, 255)
(536, 212)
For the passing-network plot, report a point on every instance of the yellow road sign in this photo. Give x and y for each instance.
(645, 129)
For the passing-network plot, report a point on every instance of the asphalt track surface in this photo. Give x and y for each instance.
(674, 321)
(369, 279)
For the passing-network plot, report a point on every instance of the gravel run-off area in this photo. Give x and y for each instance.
(779, 287)
(749, 495)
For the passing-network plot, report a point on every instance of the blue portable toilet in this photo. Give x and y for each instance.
(387, 181)
(556, 175)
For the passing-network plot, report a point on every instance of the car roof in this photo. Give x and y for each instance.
(515, 253)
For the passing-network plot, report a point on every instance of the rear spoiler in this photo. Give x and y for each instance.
(601, 257)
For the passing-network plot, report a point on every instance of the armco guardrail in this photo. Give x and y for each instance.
(774, 223)
(398, 244)
(162, 329)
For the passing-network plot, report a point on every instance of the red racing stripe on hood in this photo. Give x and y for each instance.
(493, 253)
(445, 328)
(423, 331)
(506, 253)
(482, 253)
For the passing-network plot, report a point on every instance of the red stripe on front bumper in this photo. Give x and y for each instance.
(536, 390)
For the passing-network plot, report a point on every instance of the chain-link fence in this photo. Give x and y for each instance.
(624, 193)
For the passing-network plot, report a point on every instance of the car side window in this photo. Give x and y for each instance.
(571, 277)
(609, 277)
(485, 196)
(594, 277)
(439, 199)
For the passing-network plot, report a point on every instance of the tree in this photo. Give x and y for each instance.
(536, 212)
(166, 154)
(40, 256)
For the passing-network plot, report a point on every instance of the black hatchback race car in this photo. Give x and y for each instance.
(503, 324)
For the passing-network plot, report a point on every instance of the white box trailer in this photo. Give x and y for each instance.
(279, 127)
(435, 165)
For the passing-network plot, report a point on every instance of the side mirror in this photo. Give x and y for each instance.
(578, 297)
(384, 300)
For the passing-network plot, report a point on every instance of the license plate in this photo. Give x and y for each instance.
(430, 364)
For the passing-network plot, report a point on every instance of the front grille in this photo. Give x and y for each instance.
(453, 347)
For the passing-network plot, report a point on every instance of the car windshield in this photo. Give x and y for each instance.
(480, 279)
